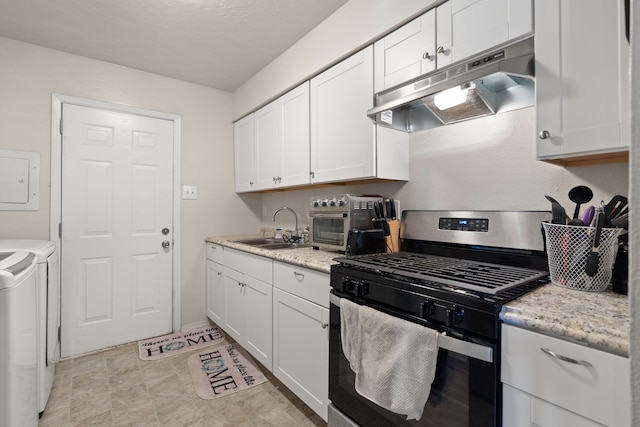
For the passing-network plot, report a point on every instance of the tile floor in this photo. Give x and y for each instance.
(116, 388)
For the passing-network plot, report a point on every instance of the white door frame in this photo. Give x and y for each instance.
(56, 177)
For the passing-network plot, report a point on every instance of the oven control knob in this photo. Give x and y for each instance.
(315, 203)
(455, 315)
(342, 202)
(332, 202)
(324, 203)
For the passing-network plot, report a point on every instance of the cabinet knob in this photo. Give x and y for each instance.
(313, 174)
(166, 244)
(274, 179)
(250, 182)
(544, 134)
(324, 325)
(441, 50)
(426, 55)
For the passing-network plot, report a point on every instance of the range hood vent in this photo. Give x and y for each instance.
(494, 82)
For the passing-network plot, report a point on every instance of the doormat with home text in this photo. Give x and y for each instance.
(170, 345)
(222, 371)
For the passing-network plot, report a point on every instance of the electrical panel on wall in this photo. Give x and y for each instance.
(19, 180)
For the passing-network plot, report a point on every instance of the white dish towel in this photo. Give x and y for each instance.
(394, 360)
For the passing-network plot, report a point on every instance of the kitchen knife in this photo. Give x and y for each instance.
(377, 220)
(392, 209)
(387, 209)
(381, 209)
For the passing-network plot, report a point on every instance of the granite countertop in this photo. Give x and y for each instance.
(596, 319)
(320, 260)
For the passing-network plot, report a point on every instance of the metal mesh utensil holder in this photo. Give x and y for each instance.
(569, 246)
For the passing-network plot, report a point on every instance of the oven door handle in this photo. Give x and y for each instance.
(446, 342)
(465, 348)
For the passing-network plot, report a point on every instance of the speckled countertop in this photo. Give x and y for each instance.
(308, 257)
(595, 319)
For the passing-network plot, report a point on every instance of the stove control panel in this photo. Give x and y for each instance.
(464, 224)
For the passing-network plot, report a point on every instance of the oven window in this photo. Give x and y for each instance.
(463, 393)
(329, 231)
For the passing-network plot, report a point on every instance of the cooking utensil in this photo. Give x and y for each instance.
(621, 221)
(579, 195)
(559, 215)
(614, 207)
(593, 260)
(588, 215)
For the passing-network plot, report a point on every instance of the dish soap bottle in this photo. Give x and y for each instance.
(278, 233)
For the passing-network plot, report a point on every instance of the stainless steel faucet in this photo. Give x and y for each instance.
(295, 237)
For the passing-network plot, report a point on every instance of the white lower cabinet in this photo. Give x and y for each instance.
(301, 333)
(215, 284)
(549, 382)
(247, 303)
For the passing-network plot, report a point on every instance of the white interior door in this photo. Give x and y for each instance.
(117, 201)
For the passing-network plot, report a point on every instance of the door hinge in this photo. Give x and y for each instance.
(60, 230)
(60, 126)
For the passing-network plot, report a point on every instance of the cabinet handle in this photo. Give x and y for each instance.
(440, 50)
(250, 182)
(274, 179)
(313, 174)
(544, 134)
(324, 325)
(565, 358)
(219, 273)
(299, 276)
(426, 55)
(279, 179)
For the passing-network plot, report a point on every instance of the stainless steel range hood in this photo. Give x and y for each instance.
(496, 81)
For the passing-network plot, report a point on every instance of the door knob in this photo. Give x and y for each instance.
(166, 244)
(165, 231)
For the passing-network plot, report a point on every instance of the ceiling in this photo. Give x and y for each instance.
(215, 43)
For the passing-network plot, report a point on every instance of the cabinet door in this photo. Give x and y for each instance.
(294, 148)
(243, 142)
(582, 104)
(478, 25)
(301, 349)
(234, 307)
(258, 325)
(267, 146)
(342, 136)
(406, 53)
(520, 409)
(215, 292)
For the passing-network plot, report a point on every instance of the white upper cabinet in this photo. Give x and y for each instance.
(582, 80)
(478, 25)
(449, 33)
(244, 153)
(342, 136)
(282, 141)
(408, 52)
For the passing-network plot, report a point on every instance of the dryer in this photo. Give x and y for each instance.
(48, 309)
(18, 333)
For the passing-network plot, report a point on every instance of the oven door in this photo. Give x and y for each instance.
(464, 393)
(329, 230)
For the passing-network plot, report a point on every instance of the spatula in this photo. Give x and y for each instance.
(593, 260)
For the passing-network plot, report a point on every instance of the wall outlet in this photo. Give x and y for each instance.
(189, 192)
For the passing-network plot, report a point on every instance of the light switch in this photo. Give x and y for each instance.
(189, 192)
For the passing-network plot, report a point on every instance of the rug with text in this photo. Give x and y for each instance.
(223, 370)
(169, 345)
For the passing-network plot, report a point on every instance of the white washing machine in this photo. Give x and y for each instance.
(18, 335)
(48, 309)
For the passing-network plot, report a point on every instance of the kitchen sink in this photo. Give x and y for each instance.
(270, 243)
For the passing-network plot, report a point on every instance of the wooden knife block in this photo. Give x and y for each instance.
(393, 239)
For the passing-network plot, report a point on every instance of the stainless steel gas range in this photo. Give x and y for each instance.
(456, 271)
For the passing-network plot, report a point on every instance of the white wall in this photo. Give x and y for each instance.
(30, 74)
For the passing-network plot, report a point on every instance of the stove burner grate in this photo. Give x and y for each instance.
(486, 278)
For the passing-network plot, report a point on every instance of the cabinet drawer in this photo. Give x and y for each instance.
(258, 267)
(214, 252)
(599, 391)
(308, 284)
